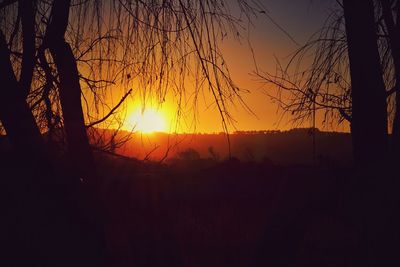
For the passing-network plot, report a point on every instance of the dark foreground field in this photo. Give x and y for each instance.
(232, 214)
(193, 213)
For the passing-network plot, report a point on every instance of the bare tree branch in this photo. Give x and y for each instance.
(111, 111)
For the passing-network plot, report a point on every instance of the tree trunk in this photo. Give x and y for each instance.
(27, 11)
(79, 150)
(373, 207)
(369, 107)
(15, 114)
(394, 40)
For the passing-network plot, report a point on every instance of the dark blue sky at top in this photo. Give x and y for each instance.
(300, 18)
(269, 34)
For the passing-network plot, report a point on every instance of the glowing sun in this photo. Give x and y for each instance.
(148, 121)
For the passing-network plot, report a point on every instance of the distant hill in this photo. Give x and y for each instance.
(280, 147)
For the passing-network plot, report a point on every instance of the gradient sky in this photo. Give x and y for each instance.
(300, 18)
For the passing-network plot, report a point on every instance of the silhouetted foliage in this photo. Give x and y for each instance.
(189, 154)
(214, 155)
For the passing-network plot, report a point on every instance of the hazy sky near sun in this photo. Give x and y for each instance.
(300, 19)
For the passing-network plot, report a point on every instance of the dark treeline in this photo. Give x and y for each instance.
(293, 147)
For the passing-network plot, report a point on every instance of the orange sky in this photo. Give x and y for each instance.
(300, 19)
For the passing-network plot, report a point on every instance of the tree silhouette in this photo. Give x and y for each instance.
(390, 10)
(69, 89)
(353, 76)
(324, 84)
(369, 115)
(15, 114)
(60, 62)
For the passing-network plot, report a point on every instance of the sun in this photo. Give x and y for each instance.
(147, 121)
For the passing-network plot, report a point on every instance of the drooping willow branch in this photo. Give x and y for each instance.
(111, 112)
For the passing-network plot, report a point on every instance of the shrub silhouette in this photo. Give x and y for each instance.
(214, 155)
(189, 154)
